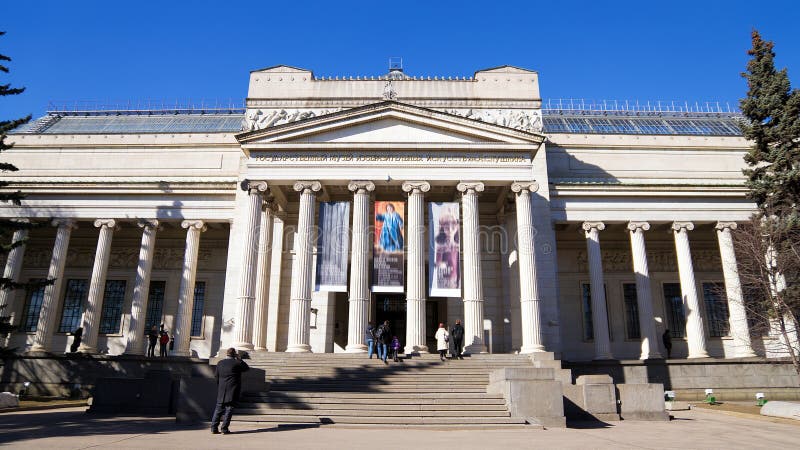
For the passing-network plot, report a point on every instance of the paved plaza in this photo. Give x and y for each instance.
(73, 428)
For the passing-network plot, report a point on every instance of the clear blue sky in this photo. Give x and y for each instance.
(646, 50)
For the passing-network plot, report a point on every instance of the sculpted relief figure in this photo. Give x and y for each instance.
(258, 119)
(525, 120)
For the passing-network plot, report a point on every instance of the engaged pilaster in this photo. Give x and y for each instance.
(247, 284)
(415, 292)
(695, 331)
(50, 307)
(263, 276)
(300, 304)
(644, 301)
(530, 302)
(359, 268)
(183, 321)
(141, 288)
(602, 344)
(97, 286)
(737, 317)
(473, 274)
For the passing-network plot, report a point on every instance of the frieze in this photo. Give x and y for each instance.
(383, 157)
(163, 258)
(259, 119)
(657, 261)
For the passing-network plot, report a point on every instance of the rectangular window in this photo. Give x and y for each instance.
(113, 300)
(155, 305)
(197, 309)
(74, 298)
(33, 307)
(632, 330)
(673, 303)
(588, 325)
(757, 309)
(716, 309)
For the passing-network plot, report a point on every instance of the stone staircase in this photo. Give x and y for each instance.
(352, 389)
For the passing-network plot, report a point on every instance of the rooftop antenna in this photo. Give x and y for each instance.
(395, 63)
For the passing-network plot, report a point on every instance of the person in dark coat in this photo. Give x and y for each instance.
(457, 339)
(152, 340)
(163, 342)
(667, 339)
(229, 386)
(383, 336)
(76, 340)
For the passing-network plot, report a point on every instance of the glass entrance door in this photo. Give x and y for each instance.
(392, 307)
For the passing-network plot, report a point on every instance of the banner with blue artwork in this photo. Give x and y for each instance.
(387, 250)
(333, 246)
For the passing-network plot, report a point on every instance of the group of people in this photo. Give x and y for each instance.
(162, 338)
(380, 340)
(452, 341)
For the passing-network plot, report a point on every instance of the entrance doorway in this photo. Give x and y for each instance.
(392, 307)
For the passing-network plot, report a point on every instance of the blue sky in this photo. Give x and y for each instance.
(168, 50)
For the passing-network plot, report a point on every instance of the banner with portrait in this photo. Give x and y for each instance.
(387, 250)
(444, 265)
(333, 246)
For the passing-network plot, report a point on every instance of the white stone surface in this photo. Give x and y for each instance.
(8, 400)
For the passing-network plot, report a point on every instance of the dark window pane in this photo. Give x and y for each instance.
(716, 309)
(113, 300)
(676, 318)
(631, 311)
(33, 307)
(197, 309)
(757, 310)
(155, 305)
(588, 325)
(74, 297)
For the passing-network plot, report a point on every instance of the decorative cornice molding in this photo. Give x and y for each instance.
(519, 187)
(416, 187)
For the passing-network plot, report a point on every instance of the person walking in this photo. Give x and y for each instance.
(163, 342)
(442, 338)
(457, 337)
(152, 340)
(395, 348)
(667, 339)
(382, 338)
(369, 336)
(77, 336)
(229, 386)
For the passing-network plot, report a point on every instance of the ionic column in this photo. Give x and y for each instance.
(11, 273)
(602, 344)
(141, 288)
(300, 304)
(644, 300)
(530, 302)
(473, 275)
(695, 331)
(737, 316)
(97, 286)
(247, 282)
(359, 268)
(47, 316)
(183, 320)
(415, 292)
(263, 277)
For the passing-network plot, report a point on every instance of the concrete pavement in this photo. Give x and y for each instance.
(74, 429)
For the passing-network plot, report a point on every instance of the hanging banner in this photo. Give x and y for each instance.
(333, 246)
(387, 253)
(444, 265)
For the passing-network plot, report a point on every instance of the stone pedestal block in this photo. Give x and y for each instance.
(531, 393)
(642, 402)
(788, 410)
(592, 397)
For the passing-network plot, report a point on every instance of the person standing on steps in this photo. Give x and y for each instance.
(395, 348)
(163, 342)
(667, 339)
(369, 336)
(457, 336)
(442, 338)
(152, 340)
(383, 336)
(77, 335)
(229, 386)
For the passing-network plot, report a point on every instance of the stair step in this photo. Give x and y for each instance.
(256, 406)
(383, 413)
(370, 420)
(369, 402)
(377, 395)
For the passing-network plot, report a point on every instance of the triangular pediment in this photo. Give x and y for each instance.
(389, 122)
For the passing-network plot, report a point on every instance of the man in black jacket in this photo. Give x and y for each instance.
(457, 337)
(229, 386)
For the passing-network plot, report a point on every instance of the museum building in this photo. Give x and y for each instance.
(328, 203)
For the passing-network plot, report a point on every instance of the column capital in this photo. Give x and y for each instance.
(361, 186)
(589, 226)
(66, 223)
(722, 226)
(196, 224)
(470, 187)
(413, 187)
(305, 186)
(519, 187)
(254, 186)
(680, 226)
(634, 226)
(149, 223)
(106, 223)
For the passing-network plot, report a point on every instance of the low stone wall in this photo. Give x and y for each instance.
(75, 375)
(731, 379)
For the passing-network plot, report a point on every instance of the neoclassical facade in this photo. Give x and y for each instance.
(583, 230)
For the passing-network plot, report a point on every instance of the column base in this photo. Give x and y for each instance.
(355, 348)
(654, 355)
(415, 349)
(260, 349)
(298, 348)
(243, 346)
(86, 349)
(533, 349)
(697, 355)
(36, 348)
(474, 349)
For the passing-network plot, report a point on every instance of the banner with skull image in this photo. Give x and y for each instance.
(444, 265)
